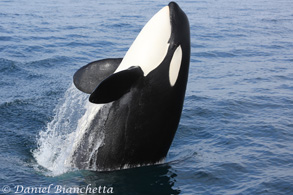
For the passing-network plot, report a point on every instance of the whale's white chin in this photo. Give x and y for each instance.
(151, 45)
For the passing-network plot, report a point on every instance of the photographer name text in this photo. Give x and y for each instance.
(57, 189)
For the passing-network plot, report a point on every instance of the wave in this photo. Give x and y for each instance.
(8, 66)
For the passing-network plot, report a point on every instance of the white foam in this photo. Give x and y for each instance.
(58, 141)
(93, 138)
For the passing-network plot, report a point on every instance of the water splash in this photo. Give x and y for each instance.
(89, 137)
(57, 143)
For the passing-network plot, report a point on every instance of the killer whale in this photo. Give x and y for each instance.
(141, 95)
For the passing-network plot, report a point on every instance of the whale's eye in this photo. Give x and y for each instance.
(175, 65)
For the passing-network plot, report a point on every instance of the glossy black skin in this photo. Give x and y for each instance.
(141, 124)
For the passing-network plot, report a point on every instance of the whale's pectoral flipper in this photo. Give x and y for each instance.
(88, 77)
(116, 85)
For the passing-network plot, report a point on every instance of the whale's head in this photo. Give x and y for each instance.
(162, 46)
(166, 34)
(161, 52)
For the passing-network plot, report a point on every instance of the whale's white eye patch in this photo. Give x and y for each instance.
(175, 65)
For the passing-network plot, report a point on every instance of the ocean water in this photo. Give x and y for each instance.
(236, 131)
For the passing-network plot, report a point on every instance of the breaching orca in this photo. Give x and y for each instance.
(142, 96)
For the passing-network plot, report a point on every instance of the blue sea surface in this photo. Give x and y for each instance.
(236, 131)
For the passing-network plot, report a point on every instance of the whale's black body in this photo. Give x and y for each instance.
(141, 112)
